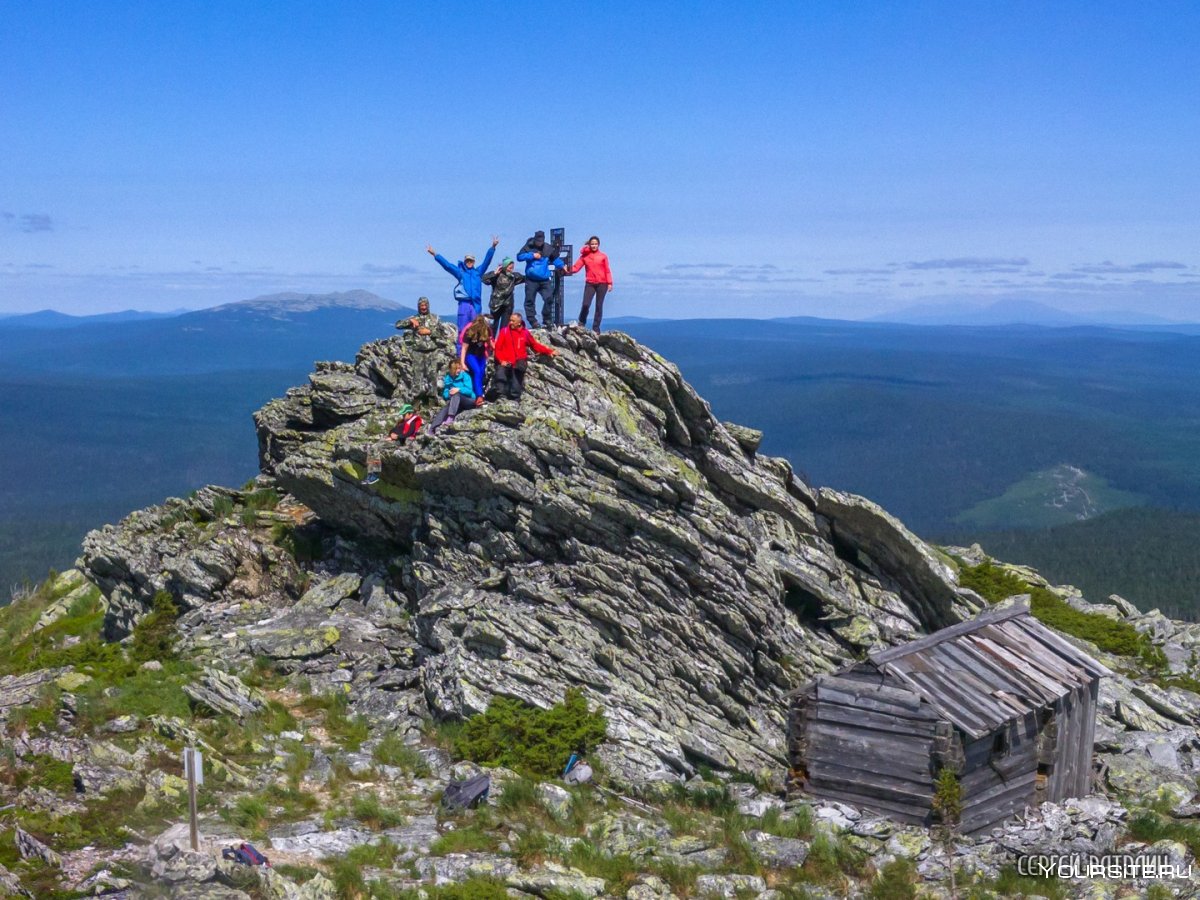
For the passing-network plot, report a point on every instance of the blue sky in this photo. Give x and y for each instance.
(836, 159)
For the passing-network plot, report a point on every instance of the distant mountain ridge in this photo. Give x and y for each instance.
(289, 303)
(52, 318)
(1013, 312)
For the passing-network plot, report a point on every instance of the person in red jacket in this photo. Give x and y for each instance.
(598, 278)
(408, 427)
(512, 356)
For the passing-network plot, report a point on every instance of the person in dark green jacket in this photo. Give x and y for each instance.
(504, 283)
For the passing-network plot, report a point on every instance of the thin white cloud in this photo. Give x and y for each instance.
(1141, 268)
(970, 264)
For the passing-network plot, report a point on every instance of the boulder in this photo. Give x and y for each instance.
(30, 847)
(729, 887)
(225, 693)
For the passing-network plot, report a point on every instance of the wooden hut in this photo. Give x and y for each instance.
(1001, 699)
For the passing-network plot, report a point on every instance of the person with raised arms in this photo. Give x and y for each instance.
(468, 290)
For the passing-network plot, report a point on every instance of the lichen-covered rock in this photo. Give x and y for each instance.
(553, 880)
(777, 852)
(609, 533)
(455, 867)
(225, 693)
(10, 884)
(25, 689)
(30, 847)
(730, 887)
(191, 550)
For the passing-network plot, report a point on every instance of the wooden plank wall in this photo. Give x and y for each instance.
(867, 743)
(996, 787)
(1071, 774)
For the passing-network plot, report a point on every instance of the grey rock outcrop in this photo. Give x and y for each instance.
(30, 847)
(609, 532)
(225, 693)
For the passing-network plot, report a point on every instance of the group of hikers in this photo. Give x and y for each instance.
(542, 261)
(500, 336)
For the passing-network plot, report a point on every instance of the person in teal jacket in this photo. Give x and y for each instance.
(459, 393)
(469, 288)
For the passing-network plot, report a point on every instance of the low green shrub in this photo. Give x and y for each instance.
(518, 795)
(471, 889)
(154, 634)
(995, 583)
(1009, 883)
(797, 825)
(304, 543)
(369, 810)
(393, 751)
(470, 839)
(379, 855)
(830, 860)
(345, 730)
(531, 740)
(897, 880)
(619, 870)
(1150, 826)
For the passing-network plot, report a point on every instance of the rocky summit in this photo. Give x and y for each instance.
(323, 641)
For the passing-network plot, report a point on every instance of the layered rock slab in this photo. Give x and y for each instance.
(606, 532)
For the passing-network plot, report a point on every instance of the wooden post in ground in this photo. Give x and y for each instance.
(189, 765)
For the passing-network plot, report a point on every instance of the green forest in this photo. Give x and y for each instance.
(965, 434)
(1148, 556)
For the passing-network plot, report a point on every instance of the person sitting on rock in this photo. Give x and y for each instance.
(459, 394)
(469, 289)
(408, 427)
(504, 283)
(422, 323)
(512, 355)
(475, 346)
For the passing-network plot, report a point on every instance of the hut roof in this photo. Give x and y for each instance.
(989, 670)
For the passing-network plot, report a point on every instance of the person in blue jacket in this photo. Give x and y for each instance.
(540, 260)
(459, 393)
(469, 289)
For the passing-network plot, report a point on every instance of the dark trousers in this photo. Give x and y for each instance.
(589, 291)
(510, 380)
(546, 289)
(500, 318)
(457, 403)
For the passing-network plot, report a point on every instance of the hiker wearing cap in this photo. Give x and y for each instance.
(475, 346)
(504, 283)
(422, 323)
(459, 394)
(469, 288)
(540, 260)
(512, 357)
(408, 427)
(598, 280)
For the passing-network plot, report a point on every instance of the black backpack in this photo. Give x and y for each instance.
(466, 794)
